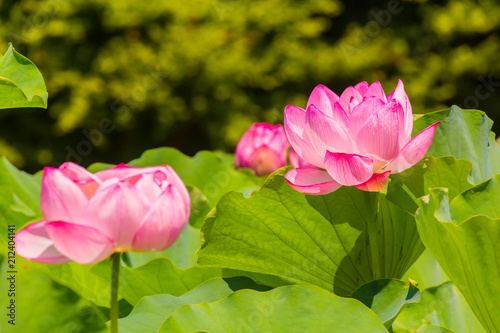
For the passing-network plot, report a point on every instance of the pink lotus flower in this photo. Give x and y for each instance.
(359, 138)
(262, 148)
(87, 217)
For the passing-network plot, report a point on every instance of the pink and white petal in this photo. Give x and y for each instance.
(118, 171)
(311, 181)
(362, 87)
(89, 188)
(240, 156)
(340, 116)
(149, 186)
(33, 243)
(61, 198)
(376, 183)
(277, 141)
(123, 172)
(117, 210)
(174, 179)
(266, 160)
(296, 135)
(324, 99)
(77, 173)
(88, 182)
(362, 112)
(350, 97)
(260, 134)
(83, 244)
(298, 162)
(163, 224)
(400, 95)
(379, 135)
(295, 120)
(349, 169)
(375, 90)
(246, 146)
(305, 150)
(129, 174)
(326, 134)
(414, 150)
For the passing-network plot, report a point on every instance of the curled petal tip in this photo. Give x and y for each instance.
(413, 151)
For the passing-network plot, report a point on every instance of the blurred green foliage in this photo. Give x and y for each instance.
(124, 75)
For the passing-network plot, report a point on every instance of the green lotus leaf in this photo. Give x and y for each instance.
(463, 237)
(158, 276)
(320, 240)
(387, 298)
(21, 83)
(285, 309)
(464, 134)
(151, 311)
(442, 305)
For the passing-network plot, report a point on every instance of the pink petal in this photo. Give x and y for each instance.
(262, 148)
(239, 159)
(61, 199)
(265, 161)
(349, 169)
(276, 140)
(176, 181)
(295, 118)
(77, 173)
(350, 98)
(116, 211)
(33, 243)
(378, 137)
(295, 121)
(414, 150)
(324, 99)
(163, 224)
(131, 174)
(326, 134)
(361, 87)
(376, 183)
(298, 162)
(88, 182)
(151, 186)
(339, 116)
(311, 181)
(83, 244)
(361, 113)
(122, 172)
(264, 134)
(400, 95)
(375, 90)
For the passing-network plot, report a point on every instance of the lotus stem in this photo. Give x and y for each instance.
(374, 240)
(115, 272)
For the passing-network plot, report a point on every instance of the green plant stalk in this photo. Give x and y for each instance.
(373, 241)
(115, 272)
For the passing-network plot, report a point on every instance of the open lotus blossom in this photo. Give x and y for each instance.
(262, 148)
(87, 217)
(359, 138)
